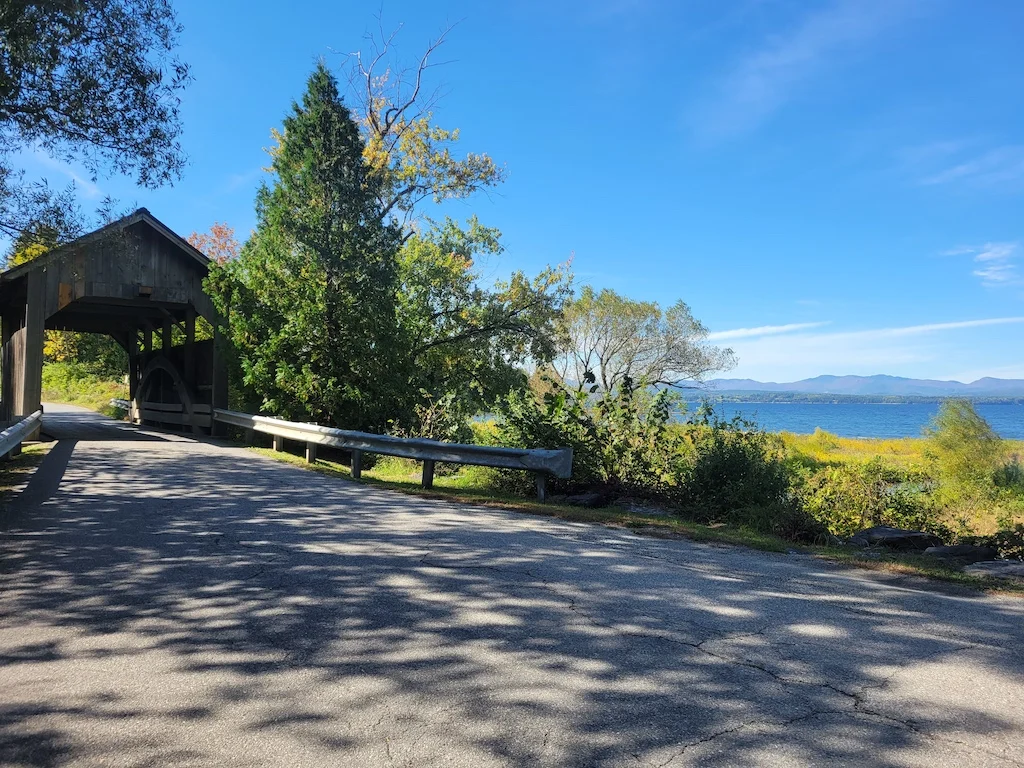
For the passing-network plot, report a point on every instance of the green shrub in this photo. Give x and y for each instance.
(1010, 475)
(737, 474)
(851, 497)
(559, 420)
(621, 442)
(640, 455)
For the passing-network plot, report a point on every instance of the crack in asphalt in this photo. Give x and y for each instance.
(855, 696)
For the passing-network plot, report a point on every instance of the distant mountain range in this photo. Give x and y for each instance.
(877, 385)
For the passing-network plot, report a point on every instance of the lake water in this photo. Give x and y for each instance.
(865, 420)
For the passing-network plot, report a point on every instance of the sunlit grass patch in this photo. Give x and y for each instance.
(16, 471)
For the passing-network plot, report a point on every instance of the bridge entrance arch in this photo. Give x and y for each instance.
(140, 283)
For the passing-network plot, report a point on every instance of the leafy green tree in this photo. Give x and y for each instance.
(311, 296)
(467, 342)
(617, 338)
(89, 80)
(414, 158)
(966, 448)
(31, 243)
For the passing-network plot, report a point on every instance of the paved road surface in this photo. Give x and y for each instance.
(178, 603)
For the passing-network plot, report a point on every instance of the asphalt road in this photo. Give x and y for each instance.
(170, 602)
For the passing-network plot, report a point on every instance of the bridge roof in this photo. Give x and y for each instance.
(141, 215)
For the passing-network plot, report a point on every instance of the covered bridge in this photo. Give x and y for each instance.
(141, 284)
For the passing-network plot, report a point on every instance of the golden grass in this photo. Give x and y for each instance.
(825, 448)
(906, 452)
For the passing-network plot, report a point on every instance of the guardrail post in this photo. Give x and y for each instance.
(357, 464)
(249, 435)
(311, 453)
(542, 485)
(428, 473)
(278, 443)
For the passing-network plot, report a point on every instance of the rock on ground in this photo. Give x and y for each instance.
(894, 538)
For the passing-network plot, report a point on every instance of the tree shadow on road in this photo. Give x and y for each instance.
(187, 604)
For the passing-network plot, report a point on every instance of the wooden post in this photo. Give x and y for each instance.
(133, 374)
(13, 320)
(32, 362)
(147, 338)
(428, 473)
(278, 443)
(542, 486)
(248, 435)
(357, 464)
(189, 371)
(310, 453)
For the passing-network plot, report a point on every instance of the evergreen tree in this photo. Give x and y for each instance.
(311, 297)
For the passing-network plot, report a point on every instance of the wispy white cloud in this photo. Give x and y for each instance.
(763, 330)
(916, 330)
(996, 263)
(914, 350)
(89, 188)
(994, 167)
(973, 163)
(237, 180)
(766, 79)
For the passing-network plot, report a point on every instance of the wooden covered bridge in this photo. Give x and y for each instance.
(138, 282)
(141, 284)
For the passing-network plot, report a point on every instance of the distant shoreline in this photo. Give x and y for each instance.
(829, 399)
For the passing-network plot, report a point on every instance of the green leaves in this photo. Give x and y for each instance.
(340, 317)
(616, 338)
(311, 296)
(466, 339)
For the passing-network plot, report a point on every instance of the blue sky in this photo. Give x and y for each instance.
(834, 187)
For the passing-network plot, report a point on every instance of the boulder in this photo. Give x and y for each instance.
(999, 569)
(963, 553)
(582, 500)
(895, 538)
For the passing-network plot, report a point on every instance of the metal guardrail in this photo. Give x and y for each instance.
(542, 462)
(10, 438)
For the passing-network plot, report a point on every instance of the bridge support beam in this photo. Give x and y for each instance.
(21, 389)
